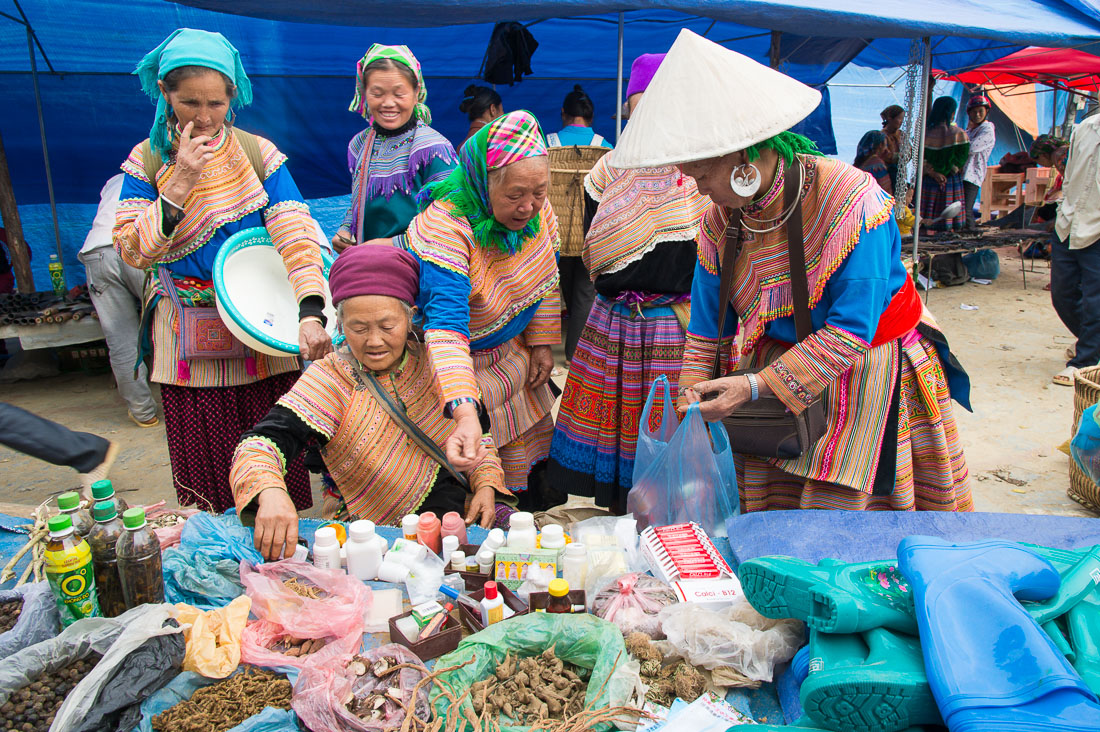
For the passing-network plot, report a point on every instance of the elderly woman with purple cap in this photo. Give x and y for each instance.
(375, 409)
(487, 242)
(640, 250)
(982, 138)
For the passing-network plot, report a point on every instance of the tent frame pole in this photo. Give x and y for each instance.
(45, 147)
(619, 85)
(922, 122)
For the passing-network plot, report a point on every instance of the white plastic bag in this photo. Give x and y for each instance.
(37, 621)
(537, 579)
(736, 636)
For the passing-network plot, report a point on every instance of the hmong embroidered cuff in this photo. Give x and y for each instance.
(801, 374)
(449, 355)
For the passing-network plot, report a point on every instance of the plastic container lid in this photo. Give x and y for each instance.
(450, 544)
(133, 518)
(104, 511)
(458, 557)
(102, 489)
(559, 588)
(325, 536)
(60, 524)
(486, 556)
(68, 501)
(554, 532)
(361, 530)
(491, 590)
(522, 520)
(410, 522)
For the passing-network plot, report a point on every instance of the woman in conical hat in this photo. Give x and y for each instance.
(874, 354)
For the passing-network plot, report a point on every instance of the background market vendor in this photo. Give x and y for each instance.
(380, 472)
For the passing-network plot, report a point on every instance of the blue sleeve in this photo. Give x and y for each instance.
(133, 188)
(444, 299)
(861, 289)
(705, 293)
(280, 187)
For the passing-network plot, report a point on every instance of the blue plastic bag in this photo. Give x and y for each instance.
(204, 570)
(693, 479)
(651, 445)
(219, 537)
(187, 683)
(1085, 446)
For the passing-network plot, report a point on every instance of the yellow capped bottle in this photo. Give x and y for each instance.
(69, 571)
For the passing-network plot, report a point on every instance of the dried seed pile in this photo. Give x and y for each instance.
(526, 690)
(666, 682)
(32, 708)
(9, 614)
(224, 705)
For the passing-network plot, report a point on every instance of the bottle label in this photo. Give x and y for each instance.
(495, 614)
(72, 580)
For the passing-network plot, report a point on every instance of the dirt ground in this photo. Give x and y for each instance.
(1011, 345)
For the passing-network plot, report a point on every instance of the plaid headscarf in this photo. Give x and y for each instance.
(397, 54)
(506, 140)
(1045, 145)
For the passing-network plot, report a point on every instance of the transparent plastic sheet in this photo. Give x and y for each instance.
(694, 479)
(652, 444)
(1085, 447)
(187, 683)
(611, 548)
(38, 620)
(633, 602)
(260, 641)
(322, 692)
(536, 580)
(425, 577)
(338, 611)
(736, 636)
(582, 640)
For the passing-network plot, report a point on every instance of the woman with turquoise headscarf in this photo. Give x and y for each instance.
(194, 182)
(487, 242)
(397, 154)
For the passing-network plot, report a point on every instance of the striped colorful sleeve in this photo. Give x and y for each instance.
(449, 355)
(258, 464)
(137, 234)
(489, 472)
(291, 228)
(545, 326)
(702, 335)
(803, 372)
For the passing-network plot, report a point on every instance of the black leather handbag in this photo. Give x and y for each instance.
(766, 428)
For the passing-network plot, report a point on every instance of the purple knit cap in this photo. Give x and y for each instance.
(374, 269)
(642, 71)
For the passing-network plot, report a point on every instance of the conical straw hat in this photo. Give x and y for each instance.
(706, 101)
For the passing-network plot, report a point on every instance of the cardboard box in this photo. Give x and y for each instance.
(511, 565)
(712, 592)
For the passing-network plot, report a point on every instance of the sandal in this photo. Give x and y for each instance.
(1065, 376)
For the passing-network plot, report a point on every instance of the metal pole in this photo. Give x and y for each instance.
(619, 86)
(922, 122)
(773, 52)
(45, 147)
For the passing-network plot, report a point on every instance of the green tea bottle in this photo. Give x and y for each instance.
(69, 504)
(103, 490)
(138, 552)
(103, 540)
(70, 573)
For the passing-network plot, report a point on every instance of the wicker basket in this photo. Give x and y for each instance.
(568, 166)
(1086, 392)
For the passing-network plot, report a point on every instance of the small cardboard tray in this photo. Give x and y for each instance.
(472, 620)
(444, 641)
(539, 600)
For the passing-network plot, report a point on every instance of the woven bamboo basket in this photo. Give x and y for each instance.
(568, 166)
(1086, 392)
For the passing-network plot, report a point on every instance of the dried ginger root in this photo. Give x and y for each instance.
(530, 690)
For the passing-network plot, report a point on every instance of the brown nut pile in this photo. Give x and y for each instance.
(665, 683)
(295, 647)
(526, 690)
(9, 614)
(224, 705)
(384, 701)
(32, 708)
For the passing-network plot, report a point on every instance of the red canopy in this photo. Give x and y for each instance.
(1062, 68)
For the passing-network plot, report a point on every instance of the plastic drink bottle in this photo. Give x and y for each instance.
(104, 490)
(70, 572)
(69, 504)
(57, 275)
(139, 566)
(103, 539)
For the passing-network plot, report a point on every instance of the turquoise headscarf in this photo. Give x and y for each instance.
(188, 47)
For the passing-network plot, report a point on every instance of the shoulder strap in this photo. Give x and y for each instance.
(151, 161)
(796, 255)
(730, 248)
(251, 147)
(398, 416)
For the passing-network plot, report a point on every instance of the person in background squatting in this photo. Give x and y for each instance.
(195, 182)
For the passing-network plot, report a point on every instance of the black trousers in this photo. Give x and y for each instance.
(970, 197)
(40, 438)
(1075, 294)
(579, 293)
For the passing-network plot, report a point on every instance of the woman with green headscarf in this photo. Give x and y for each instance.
(397, 154)
(487, 242)
(194, 182)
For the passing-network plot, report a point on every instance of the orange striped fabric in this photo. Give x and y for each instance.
(381, 474)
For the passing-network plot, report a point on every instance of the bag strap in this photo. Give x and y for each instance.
(152, 162)
(398, 416)
(730, 249)
(796, 256)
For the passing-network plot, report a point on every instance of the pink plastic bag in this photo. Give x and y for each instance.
(261, 645)
(338, 611)
(632, 603)
(169, 535)
(322, 693)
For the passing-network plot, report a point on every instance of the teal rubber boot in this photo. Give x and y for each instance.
(867, 682)
(833, 597)
(1083, 623)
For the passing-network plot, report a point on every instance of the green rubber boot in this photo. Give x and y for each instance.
(1083, 623)
(867, 682)
(833, 597)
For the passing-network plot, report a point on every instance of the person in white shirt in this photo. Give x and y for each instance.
(1075, 256)
(116, 289)
(982, 140)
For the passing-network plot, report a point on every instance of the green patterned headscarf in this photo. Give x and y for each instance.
(506, 140)
(397, 54)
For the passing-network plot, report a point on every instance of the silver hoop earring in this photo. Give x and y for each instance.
(745, 180)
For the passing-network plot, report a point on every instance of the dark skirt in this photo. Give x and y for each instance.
(204, 425)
